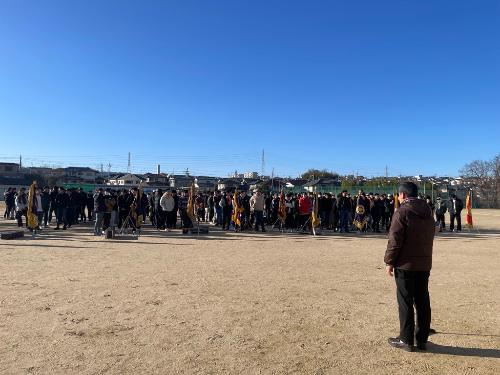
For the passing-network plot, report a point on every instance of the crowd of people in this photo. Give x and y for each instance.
(240, 211)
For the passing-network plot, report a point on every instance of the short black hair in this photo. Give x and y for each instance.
(409, 188)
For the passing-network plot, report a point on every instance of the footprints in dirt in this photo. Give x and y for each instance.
(93, 332)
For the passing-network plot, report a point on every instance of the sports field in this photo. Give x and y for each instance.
(251, 303)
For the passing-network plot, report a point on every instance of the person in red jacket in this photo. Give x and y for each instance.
(305, 207)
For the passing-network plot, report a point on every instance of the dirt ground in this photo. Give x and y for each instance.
(252, 303)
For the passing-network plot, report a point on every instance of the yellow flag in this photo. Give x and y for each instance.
(314, 214)
(236, 210)
(282, 207)
(32, 221)
(190, 205)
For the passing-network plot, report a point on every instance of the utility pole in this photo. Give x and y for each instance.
(20, 162)
(129, 169)
(102, 168)
(263, 164)
(386, 173)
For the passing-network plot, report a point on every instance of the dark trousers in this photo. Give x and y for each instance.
(226, 218)
(8, 211)
(218, 211)
(45, 216)
(52, 210)
(106, 221)
(303, 220)
(61, 216)
(161, 217)
(344, 221)
(441, 221)
(186, 220)
(325, 218)
(89, 212)
(39, 216)
(259, 220)
(19, 217)
(413, 290)
(375, 223)
(385, 221)
(122, 215)
(452, 221)
(83, 217)
(171, 218)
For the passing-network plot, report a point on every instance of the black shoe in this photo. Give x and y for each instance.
(56, 228)
(421, 345)
(432, 331)
(398, 343)
(64, 228)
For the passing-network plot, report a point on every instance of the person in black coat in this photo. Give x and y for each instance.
(10, 202)
(344, 208)
(45, 205)
(62, 203)
(99, 211)
(53, 202)
(89, 200)
(123, 206)
(455, 209)
(376, 210)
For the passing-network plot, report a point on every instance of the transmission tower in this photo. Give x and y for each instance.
(129, 169)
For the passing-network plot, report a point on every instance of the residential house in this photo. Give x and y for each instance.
(205, 183)
(157, 178)
(81, 174)
(180, 181)
(322, 185)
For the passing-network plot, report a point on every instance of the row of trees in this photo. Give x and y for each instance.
(484, 177)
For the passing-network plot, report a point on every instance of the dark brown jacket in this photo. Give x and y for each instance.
(411, 236)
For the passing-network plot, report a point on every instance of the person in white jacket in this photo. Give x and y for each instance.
(167, 203)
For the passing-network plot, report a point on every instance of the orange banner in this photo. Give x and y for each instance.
(468, 206)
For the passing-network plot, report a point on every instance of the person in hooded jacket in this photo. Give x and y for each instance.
(409, 258)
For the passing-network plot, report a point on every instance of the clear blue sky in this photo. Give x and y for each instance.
(343, 85)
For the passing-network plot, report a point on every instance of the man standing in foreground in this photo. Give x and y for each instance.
(409, 257)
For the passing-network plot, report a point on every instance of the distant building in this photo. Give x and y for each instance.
(236, 175)
(321, 184)
(83, 174)
(205, 183)
(42, 171)
(161, 178)
(9, 169)
(127, 179)
(228, 184)
(296, 183)
(180, 181)
(250, 175)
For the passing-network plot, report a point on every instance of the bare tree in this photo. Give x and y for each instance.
(484, 176)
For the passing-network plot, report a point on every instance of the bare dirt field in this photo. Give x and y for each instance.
(252, 303)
